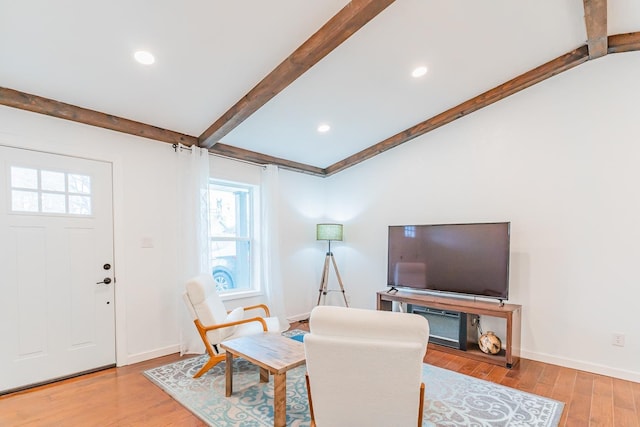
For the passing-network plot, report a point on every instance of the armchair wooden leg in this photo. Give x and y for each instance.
(421, 407)
(313, 420)
(213, 361)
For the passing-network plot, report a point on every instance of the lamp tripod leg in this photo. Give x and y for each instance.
(325, 279)
(335, 267)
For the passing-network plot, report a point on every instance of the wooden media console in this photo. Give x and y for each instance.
(512, 313)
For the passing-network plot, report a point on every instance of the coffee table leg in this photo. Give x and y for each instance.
(264, 375)
(280, 400)
(229, 374)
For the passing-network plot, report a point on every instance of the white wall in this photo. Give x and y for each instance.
(144, 207)
(560, 161)
(148, 306)
(302, 206)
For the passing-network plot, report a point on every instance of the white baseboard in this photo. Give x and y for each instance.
(582, 365)
(147, 355)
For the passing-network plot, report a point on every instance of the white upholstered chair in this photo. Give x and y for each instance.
(215, 324)
(364, 367)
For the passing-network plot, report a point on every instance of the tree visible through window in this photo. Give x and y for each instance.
(231, 235)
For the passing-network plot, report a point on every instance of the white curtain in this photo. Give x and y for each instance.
(270, 233)
(193, 247)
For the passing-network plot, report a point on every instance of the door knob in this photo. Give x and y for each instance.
(106, 281)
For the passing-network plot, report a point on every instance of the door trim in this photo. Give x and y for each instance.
(116, 162)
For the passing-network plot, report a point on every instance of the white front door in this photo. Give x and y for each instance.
(57, 315)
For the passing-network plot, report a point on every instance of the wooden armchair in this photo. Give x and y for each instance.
(215, 324)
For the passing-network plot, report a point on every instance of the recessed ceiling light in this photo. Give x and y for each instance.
(419, 71)
(144, 57)
(323, 128)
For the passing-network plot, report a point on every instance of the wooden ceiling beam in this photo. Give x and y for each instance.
(263, 159)
(627, 42)
(538, 74)
(50, 107)
(339, 28)
(595, 18)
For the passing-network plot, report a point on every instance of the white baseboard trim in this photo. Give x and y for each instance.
(582, 365)
(147, 355)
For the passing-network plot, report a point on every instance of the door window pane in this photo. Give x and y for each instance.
(53, 181)
(80, 205)
(24, 178)
(79, 184)
(24, 201)
(54, 203)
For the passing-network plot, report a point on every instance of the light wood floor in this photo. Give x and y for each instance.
(124, 397)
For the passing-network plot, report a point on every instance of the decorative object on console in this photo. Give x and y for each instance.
(329, 232)
(489, 342)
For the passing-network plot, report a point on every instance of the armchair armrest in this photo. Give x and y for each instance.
(262, 306)
(205, 329)
(267, 313)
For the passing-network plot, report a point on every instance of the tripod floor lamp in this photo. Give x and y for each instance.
(329, 232)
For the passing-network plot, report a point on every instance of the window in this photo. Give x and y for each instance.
(410, 231)
(50, 192)
(232, 224)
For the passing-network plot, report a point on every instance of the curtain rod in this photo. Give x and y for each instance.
(222, 156)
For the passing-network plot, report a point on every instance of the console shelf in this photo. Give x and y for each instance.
(509, 356)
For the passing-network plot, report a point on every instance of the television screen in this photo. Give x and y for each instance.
(470, 259)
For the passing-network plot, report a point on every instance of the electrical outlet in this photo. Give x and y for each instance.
(617, 339)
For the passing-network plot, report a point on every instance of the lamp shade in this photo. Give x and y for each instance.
(329, 232)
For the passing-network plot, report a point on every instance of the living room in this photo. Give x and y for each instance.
(558, 160)
(537, 159)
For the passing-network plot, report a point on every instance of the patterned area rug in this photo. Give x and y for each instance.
(451, 399)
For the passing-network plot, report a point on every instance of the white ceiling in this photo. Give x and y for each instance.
(211, 53)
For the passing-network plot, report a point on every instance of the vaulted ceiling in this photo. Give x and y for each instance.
(253, 79)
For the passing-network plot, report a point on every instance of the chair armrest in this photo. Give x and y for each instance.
(226, 325)
(253, 307)
(262, 306)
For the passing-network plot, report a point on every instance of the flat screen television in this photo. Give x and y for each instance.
(468, 259)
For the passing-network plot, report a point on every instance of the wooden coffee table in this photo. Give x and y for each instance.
(274, 354)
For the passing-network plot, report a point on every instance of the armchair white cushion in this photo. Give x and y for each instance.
(215, 324)
(364, 367)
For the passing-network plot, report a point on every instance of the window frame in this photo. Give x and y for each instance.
(253, 231)
(40, 191)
